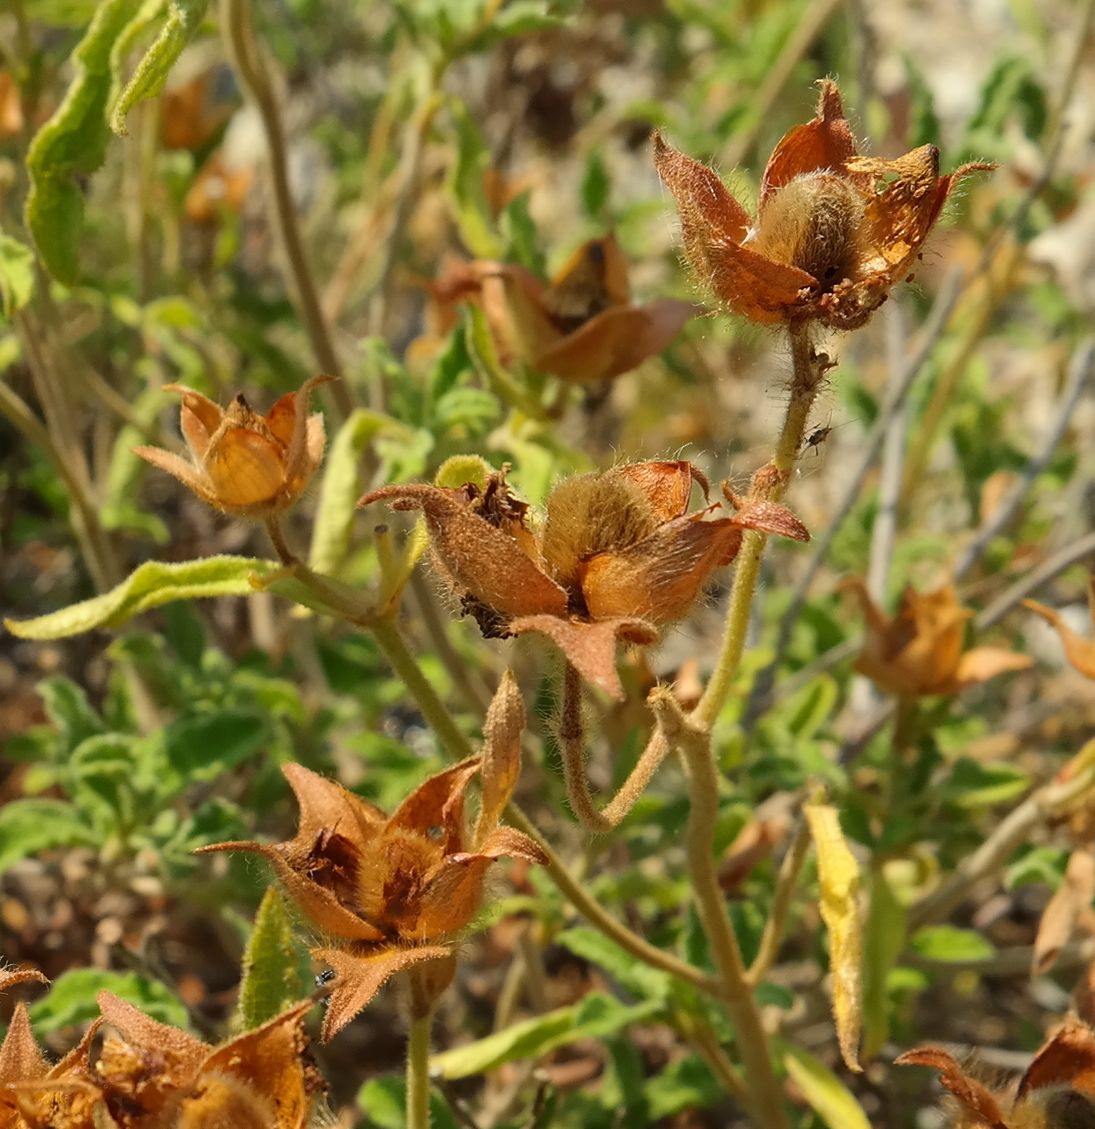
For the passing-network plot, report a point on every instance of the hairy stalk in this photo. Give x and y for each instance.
(705, 1043)
(776, 924)
(255, 77)
(692, 736)
(277, 539)
(572, 743)
(770, 483)
(597, 916)
(67, 451)
(765, 1097)
(390, 640)
(418, 1073)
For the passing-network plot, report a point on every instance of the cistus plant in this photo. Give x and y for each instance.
(523, 784)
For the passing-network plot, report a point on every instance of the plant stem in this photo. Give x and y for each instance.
(254, 74)
(572, 743)
(277, 539)
(774, 927)
(437, 715)
(597, 916)
(418, 1073)
(765, 1099)
(770, 483)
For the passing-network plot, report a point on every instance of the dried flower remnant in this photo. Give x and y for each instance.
(395, 892)
(242, 462)
(581, 326)
(920, 650)
(151, 1074)
(1057, 1091)
(834, 231)
(1079, 652)
(617, 557)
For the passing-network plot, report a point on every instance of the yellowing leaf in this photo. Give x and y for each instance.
(838, 874)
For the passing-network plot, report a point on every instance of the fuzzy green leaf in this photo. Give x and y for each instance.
(184, 17)
(30, 826)
(150, 585)
(341, 486)
(272, 965)
(595, 1017)
(73, 143)
(71, 999)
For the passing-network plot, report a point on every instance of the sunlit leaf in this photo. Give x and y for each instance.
(828, 1096)
(150, 585)
(183, 18)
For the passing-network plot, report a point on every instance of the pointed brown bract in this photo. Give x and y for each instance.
(1056, 1092)
(242, 462)
(919, 650)
(617, 556)
(398, 891)
(1079, 652)
(581, 326)
(834, 231)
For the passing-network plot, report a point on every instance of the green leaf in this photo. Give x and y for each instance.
(150, 585)
(341, 487)
(464, 186)
(204, 746)
(595, 185)
(596, 1016)
(66, 705)
(71, 999)
(72, 144)
(485, 357)
(688, 1082)
(640, 979)
(16, 274)
(972, 785)
(828, 1096)
(948, 943)
(184, 17)
(272, 964)
(884, 940)
(30, 826)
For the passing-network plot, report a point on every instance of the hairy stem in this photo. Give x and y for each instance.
(437, 715)
(418, 1073)
(572, 743)
(774, 927)
(770, 484)
(255, 77)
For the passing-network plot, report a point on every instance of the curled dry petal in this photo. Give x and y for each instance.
(1066, 1059)
(9, 977)
(969, 1092)
(1079, 652)
(358, 978)
(482, 559)
(436, 807)
(1072, 898)
(317, 902)
(590, 647)
(502, 730)
(666, 485)
(919, 651)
